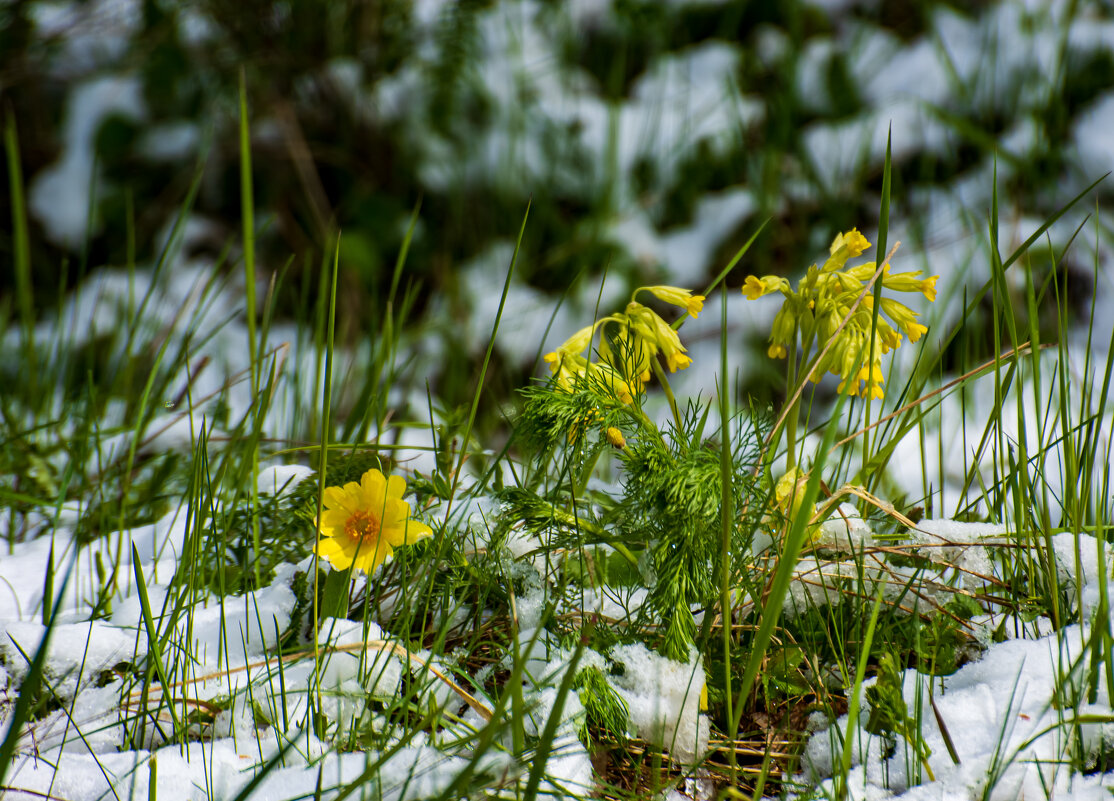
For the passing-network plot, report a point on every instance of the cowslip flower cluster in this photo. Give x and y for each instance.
(363, 523)
(628, 346)
(823, 299)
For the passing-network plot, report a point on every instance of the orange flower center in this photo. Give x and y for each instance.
(363, 526)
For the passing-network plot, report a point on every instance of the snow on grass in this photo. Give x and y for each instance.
(1010, 716)
(664, 697)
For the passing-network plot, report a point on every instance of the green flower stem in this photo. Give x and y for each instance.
(791, 419)
(660, 373)
(573, 521)
(625, 552)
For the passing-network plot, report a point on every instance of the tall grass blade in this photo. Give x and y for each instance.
(883, 241)
(22, 249)
(486, 363)
(29, 688)
(247, 211)
(154, 651)
(856, 696)
(323, 460)
(727, 522)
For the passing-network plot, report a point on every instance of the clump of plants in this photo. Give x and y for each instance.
(708, 513)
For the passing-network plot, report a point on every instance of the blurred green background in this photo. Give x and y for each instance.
(651, 139)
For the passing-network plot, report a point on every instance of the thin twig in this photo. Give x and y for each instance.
(377, 645)
(1020, 350)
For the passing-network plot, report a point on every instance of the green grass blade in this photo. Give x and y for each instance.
(326, 407)
(247, 211)
(883, 242)
(28, 690)
(856, 695)
(154, 652)
(486, 363)
(22, 248)
(727, 522)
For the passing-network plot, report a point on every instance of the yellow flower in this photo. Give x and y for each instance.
(905, 318)
(855, 243)
(364, 522)
(909, 282)
(684, 298)
(615, 437)
(635, 338)
(846, 246)
(812, 313)
(755, 287)
(658, 336)
(868, 381)
(573, 346)
(631, 354)
(928, 287)
(784, 330)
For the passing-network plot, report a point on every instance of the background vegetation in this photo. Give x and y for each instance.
(629, 125)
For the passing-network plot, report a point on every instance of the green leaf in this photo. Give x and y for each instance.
(334, 597)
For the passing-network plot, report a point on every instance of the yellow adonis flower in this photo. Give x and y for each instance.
(363, 523)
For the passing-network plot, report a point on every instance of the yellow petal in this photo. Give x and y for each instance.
(372, 481)
(416, 530)
(678, 361)
(370, 558)
(409, 531)
(854, 241)
(396, 487)
(330, 550)
(395, 514)
(333, 520)
(337, 498)
(373, 492)
(684, 298)
(754, 287)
